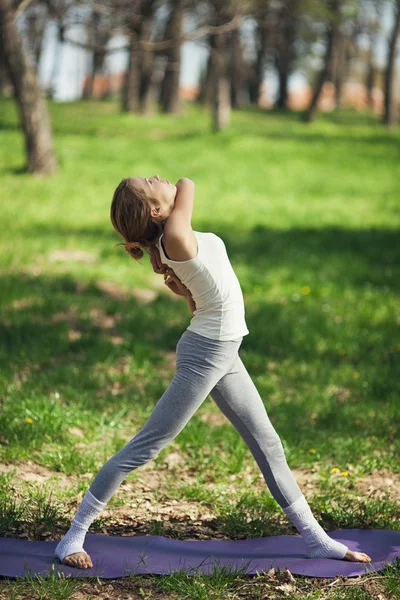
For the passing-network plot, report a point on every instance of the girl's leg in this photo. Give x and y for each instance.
(238, 398)
(200, 364)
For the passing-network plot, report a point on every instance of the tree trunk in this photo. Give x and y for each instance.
(130, 92)
(338, 61)
(5, 84)
(221, 106)
(35, 119)
(331, 38)
(146, 88)
(283, 76)
(345, 53)
(98, 59)
(370, 81)
(170, 93)
(207, 87)
(285, 56)
(56, 60)
(255, 84)
(98, 56)
(236, 69)
(389, 115)
(36, 22)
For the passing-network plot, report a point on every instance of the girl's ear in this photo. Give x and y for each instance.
(155, 211)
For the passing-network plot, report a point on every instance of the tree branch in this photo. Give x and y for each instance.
(164, 45)
(20, 7)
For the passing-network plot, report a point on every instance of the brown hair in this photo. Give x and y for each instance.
(131, 217)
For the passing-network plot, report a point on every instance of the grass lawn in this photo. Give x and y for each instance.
(310, 216)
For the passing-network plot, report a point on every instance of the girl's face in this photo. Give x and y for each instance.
(161, 192)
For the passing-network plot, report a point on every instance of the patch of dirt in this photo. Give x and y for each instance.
(215, 419)
(380, 484)
(30, 471)
(101, 319)
(118, 292)
(22, 303)
(341, 393)
(70, 316)
(170, 361)
(72, 256)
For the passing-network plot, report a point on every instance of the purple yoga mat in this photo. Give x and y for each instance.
(115, 557)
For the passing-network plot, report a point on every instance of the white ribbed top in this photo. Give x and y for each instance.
(215, 288)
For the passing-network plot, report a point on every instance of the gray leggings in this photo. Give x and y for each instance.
(205, 366)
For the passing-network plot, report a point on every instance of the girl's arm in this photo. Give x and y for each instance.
(191, 304)
(178, 225)
(184, 199)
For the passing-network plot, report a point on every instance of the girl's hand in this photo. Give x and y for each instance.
(170, 278)
(175, 284)
(155, 259)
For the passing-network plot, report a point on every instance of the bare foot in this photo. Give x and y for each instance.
(81, 560)
(357, 556)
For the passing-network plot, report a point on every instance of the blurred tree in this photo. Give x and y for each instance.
(208, 77)
(332, 32)
(100, 28)
(137, 91)
(372, 18)
(221, 99)
(389, 115)
(147, 60)
(130, 91)
(261, 14)
(5, 83)
(346, 48)
(35, 20)
(170, 100)
(223, 17)
(289, 13)
(63, 14)
(236, 68)
(34, 116)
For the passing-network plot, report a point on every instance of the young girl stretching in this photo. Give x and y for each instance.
(156, 215)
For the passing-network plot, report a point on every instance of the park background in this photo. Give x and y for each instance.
(307, 203)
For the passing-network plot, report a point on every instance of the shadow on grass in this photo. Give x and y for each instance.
(355, 257)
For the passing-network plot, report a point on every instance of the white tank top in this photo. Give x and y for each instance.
(215, 288)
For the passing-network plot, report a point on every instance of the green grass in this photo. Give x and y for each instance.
(310, 216)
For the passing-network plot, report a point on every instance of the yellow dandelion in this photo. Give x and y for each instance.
(305, 290)
(344, 473)
(312, 450)
(356, 375)
(372, 437)
(29, 420)
(323, 507)
(334, 470)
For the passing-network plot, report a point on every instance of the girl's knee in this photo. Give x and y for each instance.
(274, 445)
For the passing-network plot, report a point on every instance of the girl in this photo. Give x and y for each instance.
(155, 215)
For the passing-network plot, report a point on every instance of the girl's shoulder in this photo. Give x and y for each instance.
(179, 249)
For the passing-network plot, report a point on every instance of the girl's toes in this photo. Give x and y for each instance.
(366, 557)
(357, 556)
